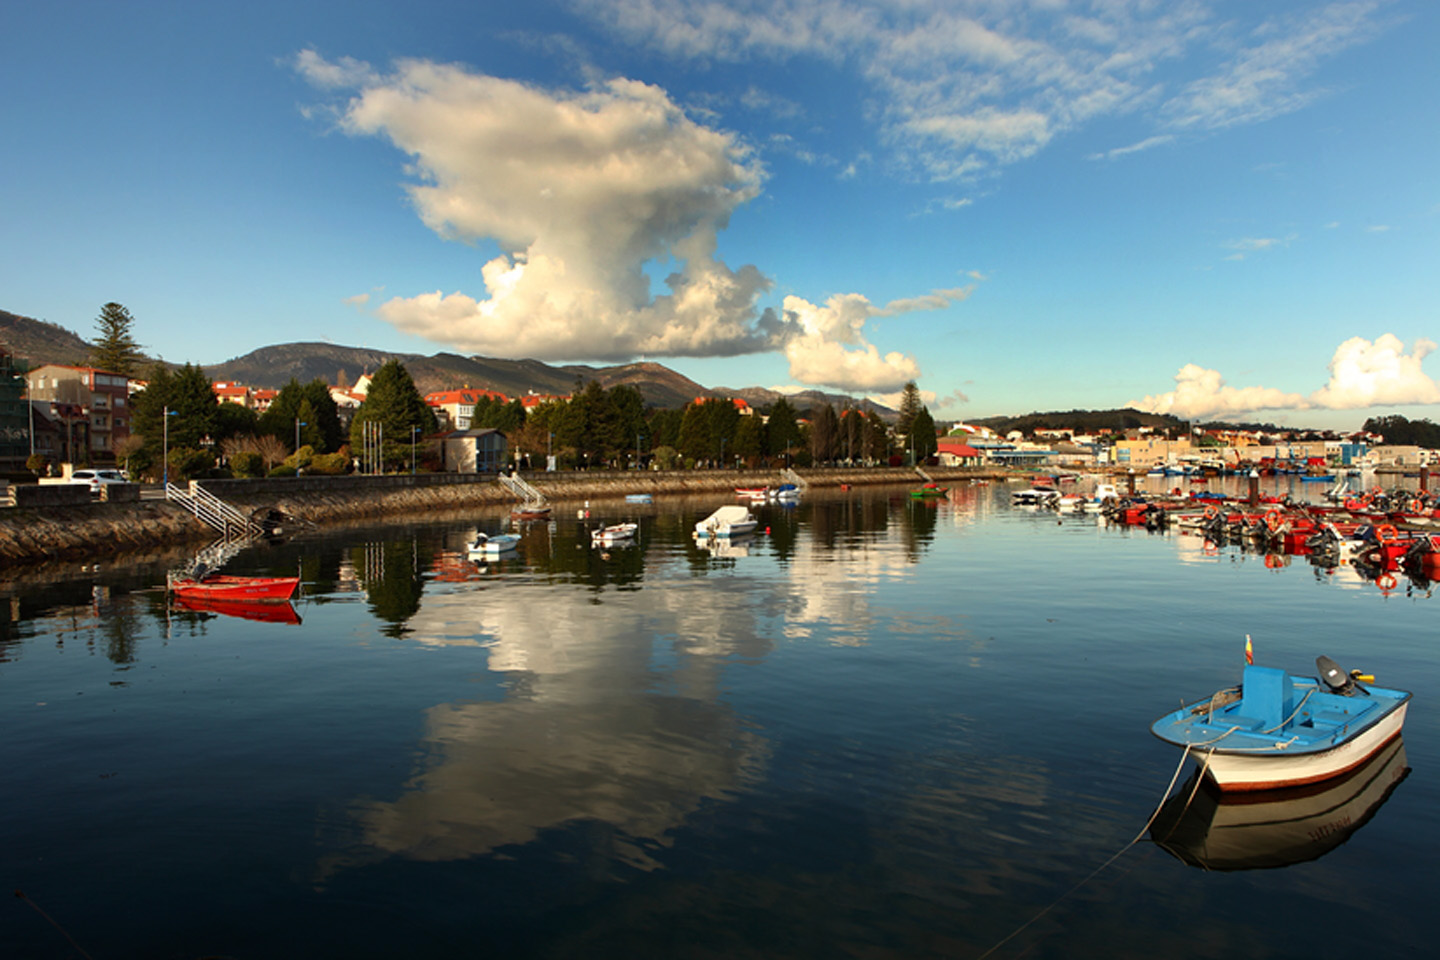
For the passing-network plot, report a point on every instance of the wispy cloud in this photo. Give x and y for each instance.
(1377, 228)
(1149, 142)
(1267, 74)
(960, 88)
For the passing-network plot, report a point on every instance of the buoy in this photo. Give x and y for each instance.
(767, 531)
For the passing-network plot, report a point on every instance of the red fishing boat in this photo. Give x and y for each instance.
(217, 586)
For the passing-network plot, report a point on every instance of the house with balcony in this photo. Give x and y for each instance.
(85, 397)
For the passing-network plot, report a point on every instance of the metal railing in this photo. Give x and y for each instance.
(211, 510)
(521, 489)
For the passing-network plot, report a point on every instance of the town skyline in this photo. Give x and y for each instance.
(1220, 211)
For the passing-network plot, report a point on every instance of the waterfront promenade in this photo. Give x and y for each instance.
(103, 530)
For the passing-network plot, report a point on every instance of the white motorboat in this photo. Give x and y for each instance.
(728, 521)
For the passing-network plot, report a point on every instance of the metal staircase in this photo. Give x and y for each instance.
(522, 490)
(232, 525)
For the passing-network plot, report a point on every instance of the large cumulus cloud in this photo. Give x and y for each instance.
(1363, 373)
(583, 190)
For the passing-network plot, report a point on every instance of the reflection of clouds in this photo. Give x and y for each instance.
(507, 771)
(573, 741)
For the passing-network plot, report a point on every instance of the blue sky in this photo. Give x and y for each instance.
(1216, 209)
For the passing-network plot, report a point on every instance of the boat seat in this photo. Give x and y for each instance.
(1266, 694)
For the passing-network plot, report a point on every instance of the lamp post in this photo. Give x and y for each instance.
(413, 432)
(298, 424)
(165, 414)
(638, 439)
(722, 453)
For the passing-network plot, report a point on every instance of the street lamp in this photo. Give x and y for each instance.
(638, 439)
(165, 414)
(413, 432)
(298, 424)
(722, 453)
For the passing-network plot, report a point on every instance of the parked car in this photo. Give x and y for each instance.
(97, 478)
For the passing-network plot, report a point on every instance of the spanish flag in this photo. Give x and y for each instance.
(1249, 652)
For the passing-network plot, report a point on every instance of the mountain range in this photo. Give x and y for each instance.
(274, 366)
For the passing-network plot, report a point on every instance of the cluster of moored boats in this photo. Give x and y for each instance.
(1379, 531)
(1275, 731)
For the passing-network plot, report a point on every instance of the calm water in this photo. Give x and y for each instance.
(881, 729)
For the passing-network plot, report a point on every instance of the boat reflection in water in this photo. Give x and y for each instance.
(1275, 828)
(266, 612)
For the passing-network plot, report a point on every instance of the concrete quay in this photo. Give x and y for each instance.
(85, 530)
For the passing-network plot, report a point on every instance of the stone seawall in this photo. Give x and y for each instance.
(103, 529)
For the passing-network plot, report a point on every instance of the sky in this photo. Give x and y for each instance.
(1213, 209)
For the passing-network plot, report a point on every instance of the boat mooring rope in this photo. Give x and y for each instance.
(1116, 856)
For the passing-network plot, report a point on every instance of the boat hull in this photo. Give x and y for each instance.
(1277, 731)
(251, 589)
(1237, 771)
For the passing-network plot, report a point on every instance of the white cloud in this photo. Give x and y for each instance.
(357, 301)
(961, 87)
(1265, 78)
(1368, 374)
(582, 191)
(1362, 374)
(1377, 228)
(1203, 393)
(1146, 144)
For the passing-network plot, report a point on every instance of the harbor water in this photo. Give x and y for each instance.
(883, 727)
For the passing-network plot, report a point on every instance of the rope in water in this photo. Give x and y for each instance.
(1094, 873)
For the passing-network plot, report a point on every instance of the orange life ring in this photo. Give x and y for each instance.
(1386, 581)
(1416, 506)
(1352, 504)
(1210, 511)
(1386, 533)
(1272, 520)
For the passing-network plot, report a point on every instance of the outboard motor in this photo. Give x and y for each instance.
(1335, 678)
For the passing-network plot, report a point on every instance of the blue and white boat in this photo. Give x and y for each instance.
(1278, 730)
(639, 498)
(492, 544)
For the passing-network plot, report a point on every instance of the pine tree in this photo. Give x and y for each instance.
(115, 349)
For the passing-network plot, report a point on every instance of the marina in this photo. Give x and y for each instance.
(878, 725)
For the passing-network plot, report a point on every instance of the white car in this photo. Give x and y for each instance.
(97, 478)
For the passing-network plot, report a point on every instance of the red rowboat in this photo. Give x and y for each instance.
(219, 587)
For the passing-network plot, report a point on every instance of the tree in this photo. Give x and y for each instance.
(320, 421)
(909, 406)
(178, 409)
(782, 428)
(924, 439)
(824, 433)
(115, 349)
(395, 404)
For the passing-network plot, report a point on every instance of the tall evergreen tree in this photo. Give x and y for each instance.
(909, 406)
(782, 428)
(321, 430)
(824, 433)
(115, 349)
(923, 438)
(393, 402)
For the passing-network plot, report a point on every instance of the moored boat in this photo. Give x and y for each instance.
(729, 521)
(217, 586)
(613, 534)
(492, 545)
(929, 490)
(1279, 730)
